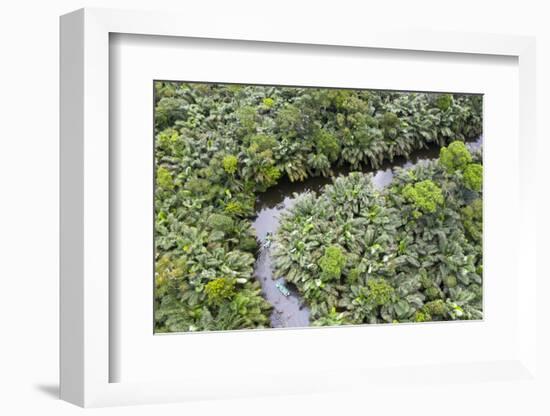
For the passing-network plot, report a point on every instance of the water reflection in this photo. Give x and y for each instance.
(288, 311)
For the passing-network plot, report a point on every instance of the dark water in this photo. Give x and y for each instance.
(289, 311)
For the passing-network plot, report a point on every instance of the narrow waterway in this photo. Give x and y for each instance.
(288, 308)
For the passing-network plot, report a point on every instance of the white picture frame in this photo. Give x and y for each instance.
(86, 356)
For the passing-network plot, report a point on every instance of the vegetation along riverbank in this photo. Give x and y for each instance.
(355, 253)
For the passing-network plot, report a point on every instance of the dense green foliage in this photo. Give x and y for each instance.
(219, 290)
(394, 264)
(425, 195)
(331, 263)
(455, 157)
(230, 164)
(473, 176)
(217, 146)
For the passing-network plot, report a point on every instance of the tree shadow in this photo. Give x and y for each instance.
(51, 390)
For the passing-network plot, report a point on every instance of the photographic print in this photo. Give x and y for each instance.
(283, 206)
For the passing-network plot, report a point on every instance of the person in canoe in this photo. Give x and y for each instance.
(282, 288)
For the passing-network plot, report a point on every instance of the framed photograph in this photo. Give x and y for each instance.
(289, 207)
(287, 213)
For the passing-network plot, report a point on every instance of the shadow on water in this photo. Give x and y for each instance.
(288, 308)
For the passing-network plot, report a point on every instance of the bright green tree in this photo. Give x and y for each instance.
(473, 176)
(425, 195)
(455, 157)
(332, 262)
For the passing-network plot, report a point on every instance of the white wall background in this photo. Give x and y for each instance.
(29, 183)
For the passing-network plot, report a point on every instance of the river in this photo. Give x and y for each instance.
(290, 311)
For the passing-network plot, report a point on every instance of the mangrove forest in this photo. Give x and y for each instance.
(302, 206)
